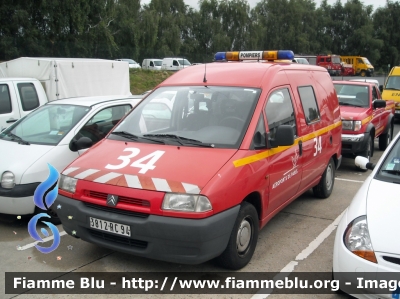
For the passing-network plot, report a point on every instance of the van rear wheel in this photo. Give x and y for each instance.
(325, 185)
(243, 240)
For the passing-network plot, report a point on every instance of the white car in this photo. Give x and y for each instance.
(56, 133)
(132, 63)
(367, 244)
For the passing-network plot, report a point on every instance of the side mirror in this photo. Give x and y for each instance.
(259, 141)
(364, 163)
(284, 136)
(81, 143)
(379, 104)
(381, 88)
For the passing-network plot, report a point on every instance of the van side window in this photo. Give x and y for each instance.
(279, 111)
(5, 100)
(28, 95)
(151, 63)
(175, 63)
(309, 103)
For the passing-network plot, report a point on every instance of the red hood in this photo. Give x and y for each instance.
(176, 169)
(353, 113)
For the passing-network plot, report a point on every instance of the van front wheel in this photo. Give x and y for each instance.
(243, 239)
(325, 185)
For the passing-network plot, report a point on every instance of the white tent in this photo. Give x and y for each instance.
(72, 77)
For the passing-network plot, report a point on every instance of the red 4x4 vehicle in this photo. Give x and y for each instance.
(365, 116)
(197, 180)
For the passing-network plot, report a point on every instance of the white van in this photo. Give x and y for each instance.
(151, 64)
(174, 63)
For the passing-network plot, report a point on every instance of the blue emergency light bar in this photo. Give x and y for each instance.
(254, 55)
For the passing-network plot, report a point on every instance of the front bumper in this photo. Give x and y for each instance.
(187, 241)
(18, 200)
(353, 271)
(354, 143)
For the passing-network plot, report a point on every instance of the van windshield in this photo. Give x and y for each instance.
(335, 59)
(191, 116)
(393, 82)
(184, 62)
(158, 62)
(47, 125)
(366, 61)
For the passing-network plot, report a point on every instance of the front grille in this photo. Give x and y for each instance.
(124, 199)
(393, 260)
(117, 211)
(118, 239)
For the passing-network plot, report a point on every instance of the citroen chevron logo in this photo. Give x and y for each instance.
(112, 200)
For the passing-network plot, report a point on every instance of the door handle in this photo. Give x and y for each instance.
(11, 120)
(300, 148)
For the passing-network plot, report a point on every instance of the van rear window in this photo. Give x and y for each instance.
(5, 100)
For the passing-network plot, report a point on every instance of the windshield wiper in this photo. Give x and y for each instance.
(391, 171)
(350, 104)
(19, 139)
(181, 140)
(134, 137)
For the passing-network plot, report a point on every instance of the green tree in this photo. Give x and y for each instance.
(386, 24)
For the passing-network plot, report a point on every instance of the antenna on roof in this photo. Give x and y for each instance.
(205, 72)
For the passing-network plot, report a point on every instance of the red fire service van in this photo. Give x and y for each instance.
(197, 178)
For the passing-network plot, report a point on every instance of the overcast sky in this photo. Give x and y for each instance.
(375, 3)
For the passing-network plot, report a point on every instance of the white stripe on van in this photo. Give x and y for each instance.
(133, 181)
(86, 173)
(189, 188)
(161, 185)
(69, 170)
(107, 177)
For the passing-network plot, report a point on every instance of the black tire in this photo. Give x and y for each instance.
(241, 244)
(325, 185)
(385, 139)
(363, 73)
(368, 151)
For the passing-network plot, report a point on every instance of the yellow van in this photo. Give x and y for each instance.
(362, 66)
(391, 89)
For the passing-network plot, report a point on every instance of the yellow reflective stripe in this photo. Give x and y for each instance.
(274, 151)
(366, 120)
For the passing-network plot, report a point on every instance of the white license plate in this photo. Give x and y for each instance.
(397, 111)
(112, 227)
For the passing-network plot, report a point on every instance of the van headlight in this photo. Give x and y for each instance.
(8, 180)
(351, 125)
(357, 239)
(67, 183)
(186, 202)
